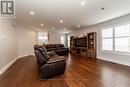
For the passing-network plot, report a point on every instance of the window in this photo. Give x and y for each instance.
(68, 41)
(122, 38)
(42, 38)
(62, 40)
(116, 39)
(122, 44)
(107, 39)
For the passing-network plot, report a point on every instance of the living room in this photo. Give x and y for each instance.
(66, 43)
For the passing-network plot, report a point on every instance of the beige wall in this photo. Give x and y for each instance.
(54, 37)
(15, 42)
(27, 38)
(8, 42)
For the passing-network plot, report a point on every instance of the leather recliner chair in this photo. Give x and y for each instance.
(49, 66)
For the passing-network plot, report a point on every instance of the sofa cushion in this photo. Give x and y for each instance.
(48, 47)
(59, 49)
(41, 59)
(43, 50)
(44, 53)
(36, 47)
(61, 46)
(51, 53)
(55, 59)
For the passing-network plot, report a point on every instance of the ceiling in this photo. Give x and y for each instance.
(50, 12)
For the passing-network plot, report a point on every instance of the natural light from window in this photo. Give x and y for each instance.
(42, 38)
(116, 38)
(107, 35)
(62, 40)
(68, 41)
(122, 38)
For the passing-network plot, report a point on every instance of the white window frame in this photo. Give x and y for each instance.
(106, 38)
(114, 51)
(62, 40)
(44, 38)
(120, 37)
(68, 41)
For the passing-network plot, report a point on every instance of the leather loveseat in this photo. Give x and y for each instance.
(50, 65)
(59, 49)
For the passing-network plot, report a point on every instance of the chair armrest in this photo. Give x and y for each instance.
(51, 53)
(55, 60)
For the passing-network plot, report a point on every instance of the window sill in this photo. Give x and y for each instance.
(116, 52)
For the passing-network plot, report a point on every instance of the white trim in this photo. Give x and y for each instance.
(7, 66)
(113, 38)
(116, 52)
(26, 55)
(23, 56)
(115, 61)
(2, 70)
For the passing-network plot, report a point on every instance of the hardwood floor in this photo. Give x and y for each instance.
(80, 72)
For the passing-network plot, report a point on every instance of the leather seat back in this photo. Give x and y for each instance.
(41, 59)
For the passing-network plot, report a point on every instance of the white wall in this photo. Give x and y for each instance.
(27, 38)
(54, 37)
(8, 42)
(113, 57)
(17, 41)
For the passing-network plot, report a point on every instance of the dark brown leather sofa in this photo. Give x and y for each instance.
(50, 65)
(59, 49)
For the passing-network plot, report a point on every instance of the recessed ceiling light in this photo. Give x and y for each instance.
(53, 28)
(64, 28)
(41, 24)
(61, 21)
(78, 26)
(31, 13)
(83, 3)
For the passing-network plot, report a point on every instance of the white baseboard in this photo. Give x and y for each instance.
(116, 61)
(25, 55)
(7, 66)
(22, 56)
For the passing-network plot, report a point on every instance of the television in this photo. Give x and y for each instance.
(81, 42)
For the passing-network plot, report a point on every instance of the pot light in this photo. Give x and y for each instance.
(61, 21)
(31, 13)
(82, 3)
(53, 28)
(41, 24)
(78, 26)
